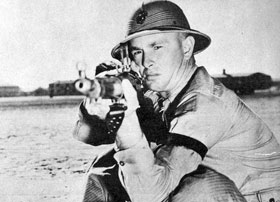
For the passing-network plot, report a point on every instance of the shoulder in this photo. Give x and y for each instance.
(204, 83)
(199, 102)
(206, 92)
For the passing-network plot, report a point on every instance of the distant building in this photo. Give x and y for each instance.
(245, 83)
(62, 88)
(9, 91)
(40, 92)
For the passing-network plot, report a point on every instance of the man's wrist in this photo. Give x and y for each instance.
(128, 143)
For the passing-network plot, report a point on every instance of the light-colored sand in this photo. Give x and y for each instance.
(42, 162)
(44, 190)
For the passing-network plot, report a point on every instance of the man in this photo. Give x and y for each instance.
(209, 145)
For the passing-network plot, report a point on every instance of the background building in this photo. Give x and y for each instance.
(245, 83)
(7, 90)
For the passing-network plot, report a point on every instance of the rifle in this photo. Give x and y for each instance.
(108, 86)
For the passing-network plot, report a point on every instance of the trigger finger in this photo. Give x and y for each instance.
(130, 94)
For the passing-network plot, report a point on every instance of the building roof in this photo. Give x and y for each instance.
(236, 75)
(63, 82)
(8, 85)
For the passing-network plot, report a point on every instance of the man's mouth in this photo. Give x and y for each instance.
(151, 76)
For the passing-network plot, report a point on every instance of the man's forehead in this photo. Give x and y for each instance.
(152, 39)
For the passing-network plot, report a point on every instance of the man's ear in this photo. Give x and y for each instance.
(188, 46)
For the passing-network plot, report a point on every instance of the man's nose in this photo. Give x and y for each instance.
(147, 59)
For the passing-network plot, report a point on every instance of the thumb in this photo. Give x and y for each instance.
(130, 95)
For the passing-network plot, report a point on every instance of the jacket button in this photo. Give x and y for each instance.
(121, 163)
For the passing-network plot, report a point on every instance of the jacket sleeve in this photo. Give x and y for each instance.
(90, 129)
(149, 176)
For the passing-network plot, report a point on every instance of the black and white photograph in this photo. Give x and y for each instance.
(140, 100)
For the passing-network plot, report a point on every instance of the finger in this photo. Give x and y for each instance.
(99, 107)
(109, 72)
(130, 95)
(87, 101)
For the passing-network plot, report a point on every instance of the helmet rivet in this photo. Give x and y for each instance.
(141, 17)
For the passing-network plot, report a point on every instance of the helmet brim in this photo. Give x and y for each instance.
(202, 41)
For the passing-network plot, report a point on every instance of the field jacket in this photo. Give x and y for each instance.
(208, 125)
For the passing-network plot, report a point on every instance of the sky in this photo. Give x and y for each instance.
(41, 41)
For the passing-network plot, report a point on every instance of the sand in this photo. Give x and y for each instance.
(41, 161)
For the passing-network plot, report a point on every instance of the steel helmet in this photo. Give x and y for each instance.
(159, 17)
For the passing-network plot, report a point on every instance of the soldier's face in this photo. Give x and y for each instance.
(159, 57)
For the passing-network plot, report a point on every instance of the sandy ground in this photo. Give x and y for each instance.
(41, 161)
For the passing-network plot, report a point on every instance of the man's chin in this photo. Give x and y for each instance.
(152, 86)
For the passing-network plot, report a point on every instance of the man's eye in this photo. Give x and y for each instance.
(136, 52)
(157, 47)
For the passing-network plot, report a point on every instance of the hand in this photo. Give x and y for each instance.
(130, 131)
(91, 127)
(98, 107)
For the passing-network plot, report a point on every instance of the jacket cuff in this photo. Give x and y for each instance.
(136, 159)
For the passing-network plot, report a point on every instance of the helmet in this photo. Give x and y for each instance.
(160, 17)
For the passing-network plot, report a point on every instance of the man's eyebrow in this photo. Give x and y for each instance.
(134, 48)
(151, 44)
(161, 41)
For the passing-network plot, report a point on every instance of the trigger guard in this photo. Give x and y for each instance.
(117, 107)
